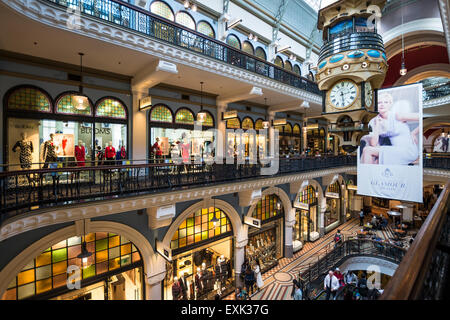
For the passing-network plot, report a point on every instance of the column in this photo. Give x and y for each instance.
(221, 130)
(139, 132)
(322, 207)
(153, 286)
(288, 245)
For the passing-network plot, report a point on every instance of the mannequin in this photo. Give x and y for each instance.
(198, 282)
(49, 152)
(176, 289)
(26, 150)
(183, 286)
(110, 154)
(123, 153)
(80, 154)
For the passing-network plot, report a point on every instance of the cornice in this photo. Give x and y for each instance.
(53, 16)
(43, 218)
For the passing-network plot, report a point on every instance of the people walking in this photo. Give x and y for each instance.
(330, 285)
(257, 271)
(249, 281)
(298, 294)
(361, 218)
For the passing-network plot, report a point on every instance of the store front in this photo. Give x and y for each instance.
(202, 258)
(306, 226)
(333, 196)
(289, 140)
(266, 244)
(176, 133)
(114, 271)
(42, 132)
(316, 141)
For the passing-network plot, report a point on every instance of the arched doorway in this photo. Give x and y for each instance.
(306, 226)
(333, 211)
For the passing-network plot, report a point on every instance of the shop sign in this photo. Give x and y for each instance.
(145, 103)
(301, 205)
(279, 122)
(165, 212)
(352, 187)
(230, 115)
(332, 195)
(163, 250)
(252, 222)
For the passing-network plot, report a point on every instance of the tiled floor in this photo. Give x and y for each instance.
(278, 281)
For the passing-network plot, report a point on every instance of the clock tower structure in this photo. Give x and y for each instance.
(352, 66)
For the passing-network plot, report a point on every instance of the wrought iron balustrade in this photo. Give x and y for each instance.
(139, 20)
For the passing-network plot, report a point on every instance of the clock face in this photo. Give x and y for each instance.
(368, 94)
(343, 94)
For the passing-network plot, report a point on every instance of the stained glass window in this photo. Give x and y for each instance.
(233, 41)
(288, 66)
(247, 47)
(162, 9)
(198, 227)
(268, 207)
(308, 195)
(260, 53)
(247, 123)
(184, 116)
(279, 62)
(297, 70)
(68, 104)
(209, 121)
(335, 187)
(29, 99)
(206, 29)
(111, 108)
(296, 129)
(287, 128)
(49, 270)
(185, 19)
(233, 123)
(161, 113)
(259, 124)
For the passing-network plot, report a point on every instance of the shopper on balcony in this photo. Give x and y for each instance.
(330, 285)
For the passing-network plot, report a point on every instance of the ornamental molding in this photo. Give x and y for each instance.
(46, 217)
(51, 15)
(437, 102)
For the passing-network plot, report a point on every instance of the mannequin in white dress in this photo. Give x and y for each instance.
(257, 271)
(392, 125)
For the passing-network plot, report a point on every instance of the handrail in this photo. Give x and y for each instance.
(408, 280)
(139, 20)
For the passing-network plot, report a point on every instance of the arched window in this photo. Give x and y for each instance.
(233, 41)
(287, 128)
(297, 70)
(205, 28)
(260, 53)
(48, 271)
(162, 9)
(279, 62)
(234, 123)
(198, 227)
(288, 66)
(308, 195)
(268, 207)
(161, 113)
(184, 116)
(247, 123)
(259, 124)
(185, 19)
(28, 98)
(247, 47)
(209, 121)
(68, 103)
(335, 188)
(110, 108)
(296, 129)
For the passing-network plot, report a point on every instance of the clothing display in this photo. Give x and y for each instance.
(80, 156)
(110, 155)
(26, 151)
(49, 153)
(262, 246)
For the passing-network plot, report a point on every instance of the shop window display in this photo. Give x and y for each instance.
(48, 271)
(306, 219)
(333, 210)
(111, 138)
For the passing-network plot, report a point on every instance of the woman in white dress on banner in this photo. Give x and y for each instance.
(400, 144)
(257, 271)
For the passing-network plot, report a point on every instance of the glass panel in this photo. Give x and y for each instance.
(161, 9)
(43, 285)
(59, 255)
(247, 47)
(233, 123)
(260, 53)
(68, 104)
(204, 28)
(111, 108)
(233, 41)
(279, 62)
(185, 19)
(267, 208)
(184, 116)
(111, 141)
(296, 129)
(25, 291)
(288, 66)
(25, 277)
(247, 123)
(43, 272)
(297, 70)
(29, 99)
(161, 113)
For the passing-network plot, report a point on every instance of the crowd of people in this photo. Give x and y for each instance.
(251, 275)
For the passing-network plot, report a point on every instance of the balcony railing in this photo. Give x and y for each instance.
(25, 190)
(352, 41)
(128, 16)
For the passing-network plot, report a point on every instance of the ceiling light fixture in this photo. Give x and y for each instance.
(265, 123)
(189, 6)
(403, 69)
(81, 100)
(292, 57)
(252, 37)
(201, 116)
(214, 220)
(85, 254)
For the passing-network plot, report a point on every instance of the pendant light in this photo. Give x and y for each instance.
(214, 220)
(265, 123)
(80, 99)
(85, 254)
(278, 202)
(201, 116)
(403, 69)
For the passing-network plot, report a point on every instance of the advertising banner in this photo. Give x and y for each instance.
(390, 162)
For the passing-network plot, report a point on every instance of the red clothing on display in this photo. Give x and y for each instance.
(185, 152)
(157, 149)
(123, 153)
(110, 152)
(80, 155)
